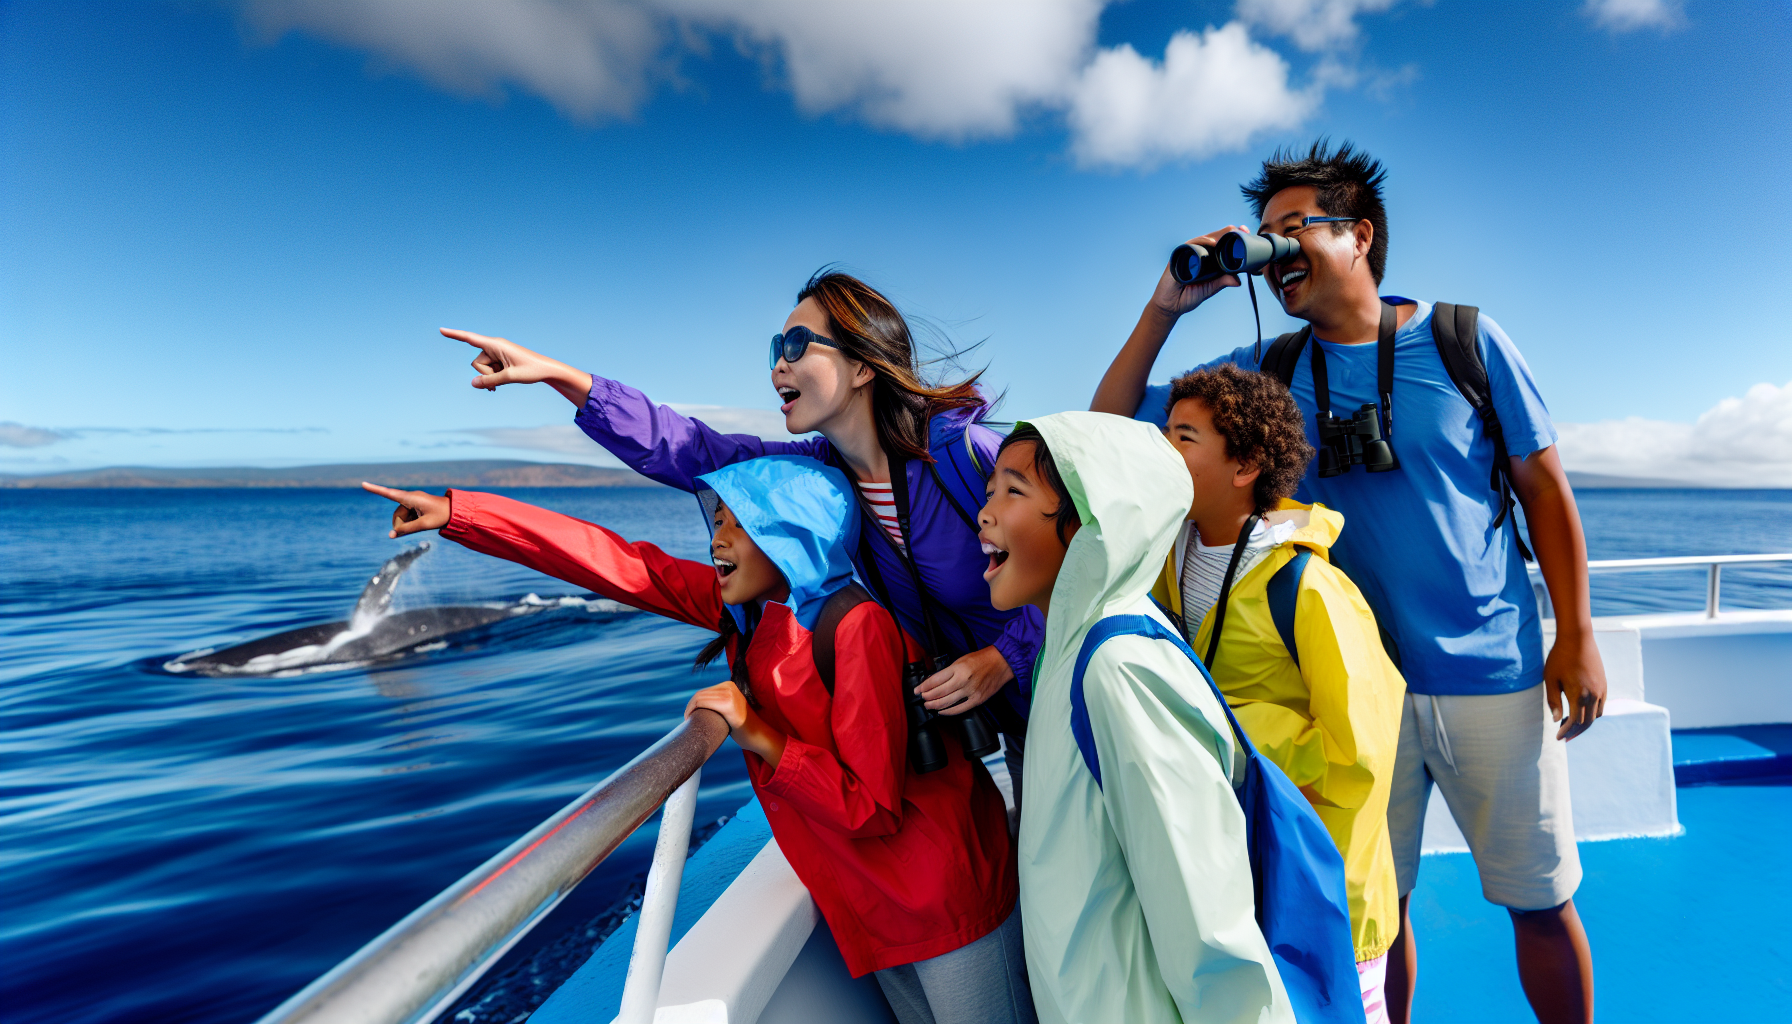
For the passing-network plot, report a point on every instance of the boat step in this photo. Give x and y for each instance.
(1731, 752)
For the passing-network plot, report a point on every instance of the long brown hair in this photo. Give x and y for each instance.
(868, 328)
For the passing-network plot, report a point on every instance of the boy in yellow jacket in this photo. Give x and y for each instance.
(1287, 636)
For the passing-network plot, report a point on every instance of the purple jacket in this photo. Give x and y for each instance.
(662, 445)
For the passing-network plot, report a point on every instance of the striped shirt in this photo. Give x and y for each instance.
(882, 502)
(1204, 571)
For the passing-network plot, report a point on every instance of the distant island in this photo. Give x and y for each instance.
(462, 473)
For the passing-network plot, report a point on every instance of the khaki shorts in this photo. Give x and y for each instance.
(1504, 776)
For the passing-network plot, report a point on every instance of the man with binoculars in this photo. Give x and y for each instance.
(1428, 425)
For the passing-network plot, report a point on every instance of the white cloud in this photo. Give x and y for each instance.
(561, 438)
(566, 439)
(936, 69)
(18, 435)
(1311, 24)
(1740, 442)
(1631, 15)
(589, 58)
(950, 69)
(1211, 93)
(729, 419)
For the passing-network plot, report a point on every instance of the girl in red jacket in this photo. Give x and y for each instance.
(914, 873)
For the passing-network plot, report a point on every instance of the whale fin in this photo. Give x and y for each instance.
(376, 597)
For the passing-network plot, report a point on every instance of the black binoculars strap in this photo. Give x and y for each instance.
(935, 640)
(1219, 605)
(1256, 352)
(1384, 373)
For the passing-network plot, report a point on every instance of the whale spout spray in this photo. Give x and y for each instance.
(376, 597)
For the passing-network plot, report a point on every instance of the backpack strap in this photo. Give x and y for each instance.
(1456, 329)
(1284, 596)
(1284, 355)
(821, 646)
(1132, 625)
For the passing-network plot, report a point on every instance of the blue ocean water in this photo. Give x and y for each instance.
(184, 848)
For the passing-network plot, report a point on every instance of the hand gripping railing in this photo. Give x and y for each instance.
(423, 963)
(1715, 563)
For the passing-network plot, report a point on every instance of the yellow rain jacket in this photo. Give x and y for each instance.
(1332, 722)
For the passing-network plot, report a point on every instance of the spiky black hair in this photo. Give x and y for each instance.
(1349, 183)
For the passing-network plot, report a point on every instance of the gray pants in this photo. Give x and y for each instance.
(1504, 776)
(984, 982)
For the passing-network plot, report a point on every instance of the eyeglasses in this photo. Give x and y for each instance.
(791, 345)
(1306, 222)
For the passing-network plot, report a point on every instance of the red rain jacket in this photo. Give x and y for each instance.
(903, 866)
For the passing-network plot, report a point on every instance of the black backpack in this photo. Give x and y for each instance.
(1457, 333)
(821, 647)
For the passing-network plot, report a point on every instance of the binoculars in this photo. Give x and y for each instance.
(1235, 253)
(976, 728)
(1357, 441)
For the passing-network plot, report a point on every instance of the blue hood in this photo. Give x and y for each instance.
(801, 513)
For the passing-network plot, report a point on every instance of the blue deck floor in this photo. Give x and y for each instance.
(1697, 928)
(1693, 928)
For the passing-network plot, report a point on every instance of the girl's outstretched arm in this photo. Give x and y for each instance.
(578, 552)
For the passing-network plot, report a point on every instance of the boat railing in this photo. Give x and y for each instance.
(421, 965)
(1714, 572)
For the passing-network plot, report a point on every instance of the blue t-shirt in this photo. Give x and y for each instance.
(1420, 541)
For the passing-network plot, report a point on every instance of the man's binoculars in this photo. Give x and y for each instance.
(976, 728)
(1356, 441)
(1235, 253)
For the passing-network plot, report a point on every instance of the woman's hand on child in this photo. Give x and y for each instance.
(501, 362)
(417, 510)
(966, 683)
(744, 724)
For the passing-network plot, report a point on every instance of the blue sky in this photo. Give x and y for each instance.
(228, 231)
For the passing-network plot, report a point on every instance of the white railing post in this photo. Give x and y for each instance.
(1711, 591)
(659, 902)
(417, 968)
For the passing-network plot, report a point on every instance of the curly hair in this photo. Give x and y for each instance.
(1261, 424)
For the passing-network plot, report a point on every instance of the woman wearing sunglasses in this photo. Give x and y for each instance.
(845, 367)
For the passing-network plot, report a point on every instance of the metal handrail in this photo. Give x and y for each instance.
(1627, 564)
(1712, 578)
(420, 965)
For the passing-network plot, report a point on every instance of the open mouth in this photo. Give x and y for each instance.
(725, 568)
(789, 395)
(1290, 278)
(996, 558)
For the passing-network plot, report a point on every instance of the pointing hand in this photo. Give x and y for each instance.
(501, 361)
(417, 510)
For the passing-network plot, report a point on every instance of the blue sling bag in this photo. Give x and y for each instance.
(1299, 874)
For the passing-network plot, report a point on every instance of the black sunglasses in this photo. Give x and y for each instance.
(793, 343)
